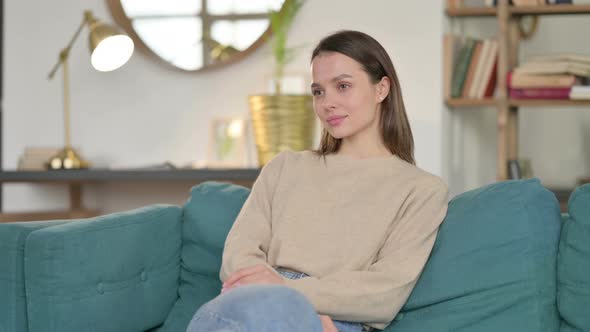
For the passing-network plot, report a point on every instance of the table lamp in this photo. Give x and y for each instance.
(109, 50)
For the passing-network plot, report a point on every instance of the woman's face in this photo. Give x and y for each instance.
(344, 98)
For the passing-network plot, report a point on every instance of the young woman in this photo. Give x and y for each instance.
(334, 239)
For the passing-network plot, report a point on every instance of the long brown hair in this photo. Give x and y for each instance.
(395, 128)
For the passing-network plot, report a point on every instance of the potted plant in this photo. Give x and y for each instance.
(281, 121)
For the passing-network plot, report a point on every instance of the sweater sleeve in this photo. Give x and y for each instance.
(374, 296)
(248, 240)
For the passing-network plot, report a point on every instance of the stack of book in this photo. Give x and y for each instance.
(551, 77)
(528, 3)
(470, 67)
(568, 2)
(517, 3)
(36, 158)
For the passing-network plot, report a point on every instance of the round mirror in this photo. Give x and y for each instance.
(195, 34)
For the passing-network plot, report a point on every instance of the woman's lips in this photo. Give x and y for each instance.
(335, 120)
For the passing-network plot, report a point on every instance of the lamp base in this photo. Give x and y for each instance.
(67, 158)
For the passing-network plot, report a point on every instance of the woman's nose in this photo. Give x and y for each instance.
(328, 101)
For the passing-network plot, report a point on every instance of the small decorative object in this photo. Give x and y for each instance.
(281, 121)
(519, 169)
(514, 172)
(109, 51)
(227, 143)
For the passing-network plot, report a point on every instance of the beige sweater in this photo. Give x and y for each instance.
(361, 228)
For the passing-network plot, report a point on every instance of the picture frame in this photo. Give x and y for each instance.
(227, 146)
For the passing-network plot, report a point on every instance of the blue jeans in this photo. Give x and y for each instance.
(342, 326)
(257, 308)
(261, 308)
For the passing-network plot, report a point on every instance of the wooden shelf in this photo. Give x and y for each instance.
(551, 10)
(106, 175)
(465, 102)
(518, 11)
(549, 102)
(75, 179)
(471, 12)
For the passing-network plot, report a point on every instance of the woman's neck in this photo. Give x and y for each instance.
(363, 151)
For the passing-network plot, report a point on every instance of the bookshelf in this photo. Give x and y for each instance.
(507, 18)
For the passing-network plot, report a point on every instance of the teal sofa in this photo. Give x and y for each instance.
(505, 259)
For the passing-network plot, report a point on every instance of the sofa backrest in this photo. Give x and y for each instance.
(91, 274)
(493, 266)
(208, 216)
(573, 274)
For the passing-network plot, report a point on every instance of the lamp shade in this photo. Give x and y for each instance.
(110, 49)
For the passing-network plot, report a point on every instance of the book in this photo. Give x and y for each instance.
(494, 3)
(475, 59)
(487, 83)
(527, 3)
(36, 158)
(491, 87)
(557, 67)
(470, 3)
(520, 80)
(580, 92)
(560, 57)
(478, 76)
(451, 48)
(540, 93)
(460, 68)
(452, 4)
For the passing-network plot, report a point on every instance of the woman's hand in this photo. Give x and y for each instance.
(328, 324)
(257, 274)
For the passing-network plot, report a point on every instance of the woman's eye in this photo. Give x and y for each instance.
(316, 92)
(343, 86)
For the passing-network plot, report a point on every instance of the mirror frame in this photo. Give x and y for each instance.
(119, 16)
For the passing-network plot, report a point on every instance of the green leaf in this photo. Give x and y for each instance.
(280, 21)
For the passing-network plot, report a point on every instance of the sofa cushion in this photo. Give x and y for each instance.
(493, 266)
(208, 216)
(117, 272)
(573, 297)
(13, 306)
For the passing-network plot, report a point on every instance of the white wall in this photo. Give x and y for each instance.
(146, 113)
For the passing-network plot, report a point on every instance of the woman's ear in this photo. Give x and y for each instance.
(383, 88)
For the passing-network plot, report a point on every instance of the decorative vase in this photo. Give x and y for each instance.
(281, 122)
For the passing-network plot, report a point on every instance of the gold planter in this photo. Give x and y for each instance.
(281, 122)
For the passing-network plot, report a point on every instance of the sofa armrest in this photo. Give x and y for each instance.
(117, 272)
(13, 306)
